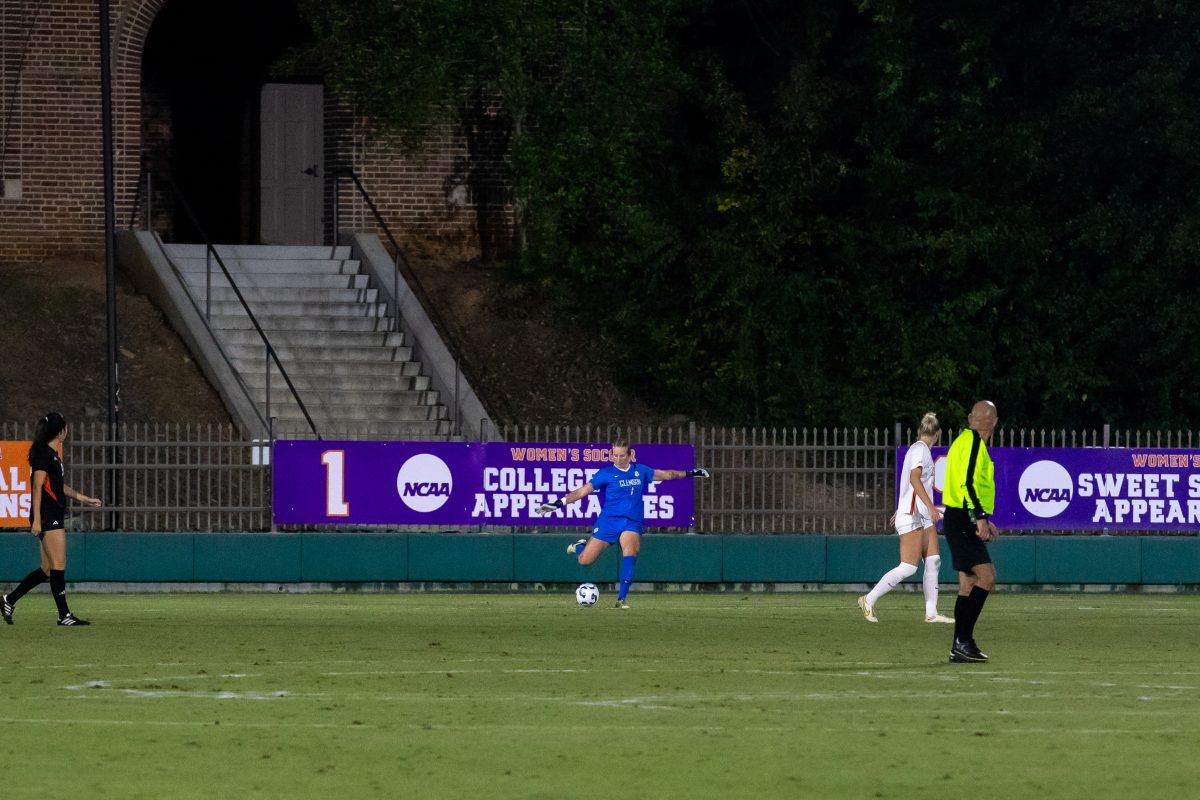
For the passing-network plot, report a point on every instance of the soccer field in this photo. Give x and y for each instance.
(529, 696)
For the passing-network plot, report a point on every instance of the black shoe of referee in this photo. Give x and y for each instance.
(6, 609)
(966, 653)
(71, 619)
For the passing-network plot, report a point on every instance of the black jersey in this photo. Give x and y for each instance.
(54, 497)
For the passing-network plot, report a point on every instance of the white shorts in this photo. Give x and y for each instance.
(907, 523)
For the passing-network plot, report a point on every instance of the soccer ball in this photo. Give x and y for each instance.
(587, 594)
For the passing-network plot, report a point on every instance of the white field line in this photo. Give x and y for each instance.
(970, 671)
(937, 673)
(81, 692)
(99, 684)
(137, 723)
(569, 727)
(667, 726)
(451, 671)
(162, 693)
(803, 668)
(175, 664)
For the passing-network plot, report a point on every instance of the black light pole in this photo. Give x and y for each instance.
(114, 386)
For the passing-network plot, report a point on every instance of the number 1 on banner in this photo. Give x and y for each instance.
(335, 483)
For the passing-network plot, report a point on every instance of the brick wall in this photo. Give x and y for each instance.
(439, 194)
(51, 146)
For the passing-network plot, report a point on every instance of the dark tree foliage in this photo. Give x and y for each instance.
(806, 212)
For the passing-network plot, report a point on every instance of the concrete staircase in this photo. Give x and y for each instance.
(321, 315)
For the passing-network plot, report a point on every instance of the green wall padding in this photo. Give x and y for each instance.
(247, 557)
(859, 559)
(460, 557)
(164, 557)
(360, 557)
(679, 557)
(19, 554)
(541, 558)
(1089, 559)
(774, 559)
(1170, 559)
(1015, 558)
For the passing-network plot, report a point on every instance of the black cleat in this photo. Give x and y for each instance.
(71, 619)
(6, 608)
(966, 653)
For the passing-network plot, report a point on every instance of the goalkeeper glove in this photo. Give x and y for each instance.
(546, 508)
(698, 472)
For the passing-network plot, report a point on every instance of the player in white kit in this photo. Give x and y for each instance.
(916, 521)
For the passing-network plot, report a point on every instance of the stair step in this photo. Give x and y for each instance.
(410, 430)
(264, 297)
(280, 280)
(333, 413)
(373, 397)
(257, 266)
(293, 353)
(251, 366)
(307, 309)
(261, 251)
(280, 337)
(234, 322)
(322, 382)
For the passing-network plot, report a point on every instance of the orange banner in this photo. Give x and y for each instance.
(14, 484)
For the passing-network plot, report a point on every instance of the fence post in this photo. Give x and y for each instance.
(1106, 434)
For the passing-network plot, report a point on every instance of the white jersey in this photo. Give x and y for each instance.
(918, 455)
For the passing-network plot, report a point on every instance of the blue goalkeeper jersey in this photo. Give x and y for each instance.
(622, 491)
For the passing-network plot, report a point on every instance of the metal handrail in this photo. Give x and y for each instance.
(410, 277)
(211, 253)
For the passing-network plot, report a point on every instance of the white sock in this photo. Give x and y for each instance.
(889, 581)
(929, 583)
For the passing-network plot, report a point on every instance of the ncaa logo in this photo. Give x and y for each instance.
(424, 483)
(1045, 488)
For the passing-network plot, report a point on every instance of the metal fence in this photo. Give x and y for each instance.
(175, 477)
(829, 480)
(165, 477)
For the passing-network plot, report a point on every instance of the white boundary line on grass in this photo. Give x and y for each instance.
(176, 723)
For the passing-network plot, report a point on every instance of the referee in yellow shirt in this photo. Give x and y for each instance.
(970, 497)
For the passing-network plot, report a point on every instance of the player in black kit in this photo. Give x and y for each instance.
(47, 514)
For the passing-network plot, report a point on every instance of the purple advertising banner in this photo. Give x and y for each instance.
(450, 483)
(1089, 488)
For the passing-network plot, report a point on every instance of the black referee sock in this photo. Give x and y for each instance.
(58, 588)
(975, 601)
(961, 603)
(31, 581)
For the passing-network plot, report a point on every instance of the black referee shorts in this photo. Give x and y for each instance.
(966, 548)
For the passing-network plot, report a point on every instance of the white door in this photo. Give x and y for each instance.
(292, 171)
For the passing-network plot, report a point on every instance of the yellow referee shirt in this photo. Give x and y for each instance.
(970, 476)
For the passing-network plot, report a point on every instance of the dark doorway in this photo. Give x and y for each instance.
(202, 69)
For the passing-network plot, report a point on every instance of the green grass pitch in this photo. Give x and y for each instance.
(724, 695)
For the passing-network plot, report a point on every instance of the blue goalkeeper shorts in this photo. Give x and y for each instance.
(609, 529)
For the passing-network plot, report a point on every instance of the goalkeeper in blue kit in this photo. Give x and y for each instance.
(622, 518)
